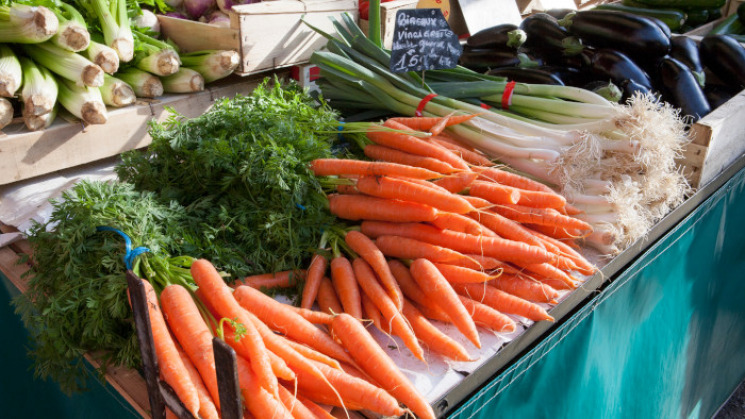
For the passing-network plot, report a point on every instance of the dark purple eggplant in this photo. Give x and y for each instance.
(559, 13)
(547, 38)
(685, 50)
(679, 87)
(636, 36)
(630, 88)
(662, 25)
(718, 94)
(501, 36)
(482, 59)
(526, 75)
(617, 67)
(724, 57)
(570, 76)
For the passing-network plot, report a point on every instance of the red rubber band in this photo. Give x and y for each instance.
(485, 106)
(423, 103)
(507, 95)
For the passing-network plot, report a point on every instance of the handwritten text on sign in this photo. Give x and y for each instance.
(423, 40)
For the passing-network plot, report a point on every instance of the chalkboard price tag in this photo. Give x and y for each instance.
(423, 40)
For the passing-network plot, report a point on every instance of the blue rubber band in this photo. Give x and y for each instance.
(129, 253)
(341, 130)
(300, 206)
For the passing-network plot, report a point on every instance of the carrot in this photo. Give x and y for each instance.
(431, 336)
(170, 414)
(369, 251)
(478, 203)
(315, 317)
(336, 167)
(207, 408)
(433, 312)
(220, 297)
(379, 152)
(316, 270)
(170, 365)
(373, 314)
(283, 279)
(369, 284)
(411, 144)
(356, 372)
(317, 410)
(556, 232)
(549, 271)
(457, 182)
(494, 192)
(327, 299)
(286, 321)
(186, 323)
(360, 207)
(424, 123)
(541, 199)
(397, 188)
(406, 248)
(485, 262)
(348, 189)
(355, 391)
(502, 301)
(461, 275)
(374, 361)
(511, 179)
(412, 291)
(471, 157)
(313, 354)
(505, 250)
(260, 402)
(582, 264)
(526, 289)
(434, 285)
(485, 316)
(541, 216)
(461, 223)
(554, 283)
(506, 228)
(297, 409)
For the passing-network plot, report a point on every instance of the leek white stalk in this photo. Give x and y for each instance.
(112, 14)
(147, 19)
(66, 64)
(39, 122)
(84, 102)
(143, 83)
(6, 112)
(185, 80)
(117, 93)
(39, 93)
(103, 56)
(72, 33)
(11, 72)
(212, 64)
(156, 57)
(24, 24)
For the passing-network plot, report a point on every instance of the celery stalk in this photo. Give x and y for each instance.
(6, 112)
(143, 83)
(73, 32)
(39, 93)
(84, 102)
(66, 64)
(212, 64)
(117, 93)
(10, 72)
(24, 24)
(185, 80)
(103, 56)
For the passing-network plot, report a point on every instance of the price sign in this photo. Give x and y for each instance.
(423, 40)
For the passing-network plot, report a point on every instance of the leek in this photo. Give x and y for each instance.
(10, 72)
(117, 33)
(66, 64)
(6, 112)
(156, 57)
(39, 93)
(24, 24)
(38, 122)
(117, 93)
(143, 83)
(84, 102)
(73, 32)
(103, 56)
(185, 80)
(212, 64)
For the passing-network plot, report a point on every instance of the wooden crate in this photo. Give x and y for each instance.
(388, 19)
(267, 35)
(25, 154)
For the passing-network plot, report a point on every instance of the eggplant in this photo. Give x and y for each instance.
(630, 88)
(501, 36)
(547, 38)
(679, 87)
(685, 50)
(718, 94)
(526, 75)
(724, 57)
(636, 36)
(482, 59)
(570, 76)
(617, 67)
(559, 13)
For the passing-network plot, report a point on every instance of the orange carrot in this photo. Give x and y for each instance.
(317, 410)
(549, 271)
(457, 182)
(424, 123)
(220, 297)
(207, 408)
(434, 285)
(170, 414)
(405, 248)
(327, 299)
(313, 354)
(336, 167)
(433, 337)
(315, 317)
(541, 199)
(186, 323)
(512, 179)
(411, 144)
(360, 207)
(471, 157)
(171, 367)
(557, 232)
(283, 279)
(260, 402)
(373, 314)
(494, 192)
(433, 312)
(297, 409)
(412, 291)
(461, 223)
(526, 289)
(284, 320)
(485, 316)
(506, 228)
(348, 189)
(460, 275)
(392, 155)
(582, 264)
(541, 216)
(369, 284)
(374, 361)
(369, 251)
(397, 188)
(502, 301)
(315, 272)
(485, 262)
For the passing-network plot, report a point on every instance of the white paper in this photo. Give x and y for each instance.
(482, 14)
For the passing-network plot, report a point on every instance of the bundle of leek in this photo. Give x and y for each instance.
(10, 72)
(155, 56)
(26, 24)
(66, 64)
(73, 32)
(615, 162)
(84, 102)
(211, 64)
